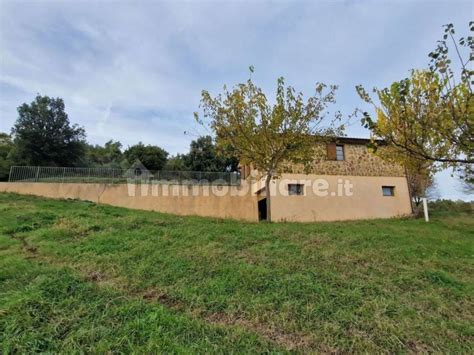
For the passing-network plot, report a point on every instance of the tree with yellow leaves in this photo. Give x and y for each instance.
(267, 134)
(428, 118)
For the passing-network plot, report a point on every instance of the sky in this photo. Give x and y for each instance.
(134, 70)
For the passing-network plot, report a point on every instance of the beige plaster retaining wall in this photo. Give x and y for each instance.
(162, 198)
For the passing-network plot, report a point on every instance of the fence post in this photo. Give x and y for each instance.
(11, 174)
(89, 175)
(64, 171)
(425, 209)
(37, 174)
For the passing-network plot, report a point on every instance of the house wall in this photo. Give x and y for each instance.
(359, 161)
(196, 200)
(366, 202)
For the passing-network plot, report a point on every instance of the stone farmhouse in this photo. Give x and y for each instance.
(375, 188)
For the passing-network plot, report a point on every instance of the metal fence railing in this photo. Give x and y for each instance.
(119, 176)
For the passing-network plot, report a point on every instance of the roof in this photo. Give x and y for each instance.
(360, 141)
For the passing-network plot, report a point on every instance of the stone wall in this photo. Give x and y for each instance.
(359, 161)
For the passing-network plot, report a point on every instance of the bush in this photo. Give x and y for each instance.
(451, 206)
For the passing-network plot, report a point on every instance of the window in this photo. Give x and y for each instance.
(295, 189)
(339, 152)
(388, 190)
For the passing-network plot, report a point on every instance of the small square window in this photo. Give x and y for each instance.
(295, 189)
(388, 190)
(339, 152)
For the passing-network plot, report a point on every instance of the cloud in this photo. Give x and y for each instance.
(133, 71)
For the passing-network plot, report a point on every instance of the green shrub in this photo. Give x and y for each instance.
(451, 206)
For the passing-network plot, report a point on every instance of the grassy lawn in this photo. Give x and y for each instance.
(79, 276)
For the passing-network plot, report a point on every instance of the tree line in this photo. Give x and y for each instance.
(43, 136)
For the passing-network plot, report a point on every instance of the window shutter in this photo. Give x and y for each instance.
(331, 148)
(244, 171)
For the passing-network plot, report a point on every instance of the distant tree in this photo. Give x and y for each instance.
(420, 181)
(176, 163)
(466, 173)
(152, 157)
(43, 135)
(430, 115)
(267, 135)
(110, 155)
(6, 147)
(204, 156)
(432, 192)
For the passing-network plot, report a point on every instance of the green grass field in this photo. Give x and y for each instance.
(75, 276)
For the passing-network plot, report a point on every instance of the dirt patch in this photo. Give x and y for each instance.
(290, 341)
(25, 245)
(74, 229)
(251, 257)
(161, 297)
(96, 276)
(314, 243)
(416, 347)
(138, 223)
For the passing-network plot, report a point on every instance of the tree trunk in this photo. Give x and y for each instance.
(409, 191)
(268, 179)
